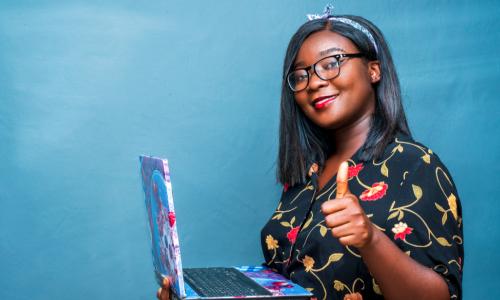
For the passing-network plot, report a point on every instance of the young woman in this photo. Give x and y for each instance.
(366, 212)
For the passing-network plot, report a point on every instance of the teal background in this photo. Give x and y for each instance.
(87, 86)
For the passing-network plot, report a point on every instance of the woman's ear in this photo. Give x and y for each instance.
(374, 71)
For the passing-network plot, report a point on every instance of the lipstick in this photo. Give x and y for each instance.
(322, 102)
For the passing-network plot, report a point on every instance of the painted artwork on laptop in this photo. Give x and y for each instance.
(165, 242)
(161, 216)
(274, 282)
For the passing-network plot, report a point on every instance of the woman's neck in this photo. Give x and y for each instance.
(348, 140)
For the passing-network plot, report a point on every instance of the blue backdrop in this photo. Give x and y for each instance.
(87, 86)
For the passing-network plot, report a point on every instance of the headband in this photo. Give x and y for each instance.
(328, 14)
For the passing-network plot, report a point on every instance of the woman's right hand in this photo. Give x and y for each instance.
(164, 292)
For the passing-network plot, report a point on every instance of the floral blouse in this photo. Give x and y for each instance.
(409, 195)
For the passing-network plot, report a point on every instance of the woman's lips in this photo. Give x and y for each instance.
(322, 102)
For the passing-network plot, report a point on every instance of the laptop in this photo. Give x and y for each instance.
(250, 282)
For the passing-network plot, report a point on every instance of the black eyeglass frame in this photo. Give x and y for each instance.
(338, 57)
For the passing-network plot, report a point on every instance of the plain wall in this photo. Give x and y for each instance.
(87, 86)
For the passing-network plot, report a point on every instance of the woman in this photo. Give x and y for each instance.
(366, 212)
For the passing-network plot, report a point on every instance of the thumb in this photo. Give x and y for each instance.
(342, 178)
(166, 282)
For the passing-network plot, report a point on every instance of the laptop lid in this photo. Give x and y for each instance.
(161, 216)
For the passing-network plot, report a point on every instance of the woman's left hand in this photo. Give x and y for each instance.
(345, 216)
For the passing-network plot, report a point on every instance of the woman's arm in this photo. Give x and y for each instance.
(397, 274)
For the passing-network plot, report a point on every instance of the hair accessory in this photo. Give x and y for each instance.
(328, 14)
(358, 27)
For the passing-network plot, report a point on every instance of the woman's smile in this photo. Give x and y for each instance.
(323, 101)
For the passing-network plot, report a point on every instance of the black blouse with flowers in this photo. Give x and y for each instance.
(408, 194)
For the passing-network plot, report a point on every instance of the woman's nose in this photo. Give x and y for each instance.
(315, 82)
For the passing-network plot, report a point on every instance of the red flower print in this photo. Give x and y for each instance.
(285, 187)
(171, 218)
(292, 234)
(401, 230)
(354, 170)
(377, 191)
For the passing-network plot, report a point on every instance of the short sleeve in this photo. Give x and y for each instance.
(425, 221)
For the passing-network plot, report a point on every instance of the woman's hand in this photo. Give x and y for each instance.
(345, 216)
(164, 292)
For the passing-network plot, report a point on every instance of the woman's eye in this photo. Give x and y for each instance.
(331, 65)
(300, 77)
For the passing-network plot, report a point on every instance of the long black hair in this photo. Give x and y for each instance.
(302, 142)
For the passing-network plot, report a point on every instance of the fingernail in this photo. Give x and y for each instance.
(166, 282)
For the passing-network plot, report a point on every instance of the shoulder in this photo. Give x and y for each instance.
(423, 175)
(407, 163)
(411, 154)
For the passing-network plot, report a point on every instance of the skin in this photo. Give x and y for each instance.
(347, 120)
(163, 292)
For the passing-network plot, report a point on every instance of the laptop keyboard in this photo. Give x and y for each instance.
(222, 282)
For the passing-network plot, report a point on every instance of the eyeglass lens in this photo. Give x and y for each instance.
(327, 68)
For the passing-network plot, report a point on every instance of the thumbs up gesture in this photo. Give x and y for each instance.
(345, 216)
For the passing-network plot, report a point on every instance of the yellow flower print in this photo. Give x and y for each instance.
(308, 263)
(426, 158)
(338, 285)
(272, 244)
(452, 202)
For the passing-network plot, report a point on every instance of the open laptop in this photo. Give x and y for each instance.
(256, 282)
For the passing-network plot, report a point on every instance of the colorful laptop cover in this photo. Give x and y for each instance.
(165, 241)
(161, 215)
(277, 284)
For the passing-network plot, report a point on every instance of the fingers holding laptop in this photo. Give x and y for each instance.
(163, 292)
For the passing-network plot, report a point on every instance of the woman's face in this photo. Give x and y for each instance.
(344, 100)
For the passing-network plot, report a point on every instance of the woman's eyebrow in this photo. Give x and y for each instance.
(298, 64)
(330, 50)
(322, 53)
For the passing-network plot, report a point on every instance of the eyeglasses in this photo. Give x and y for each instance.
(326, 68)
